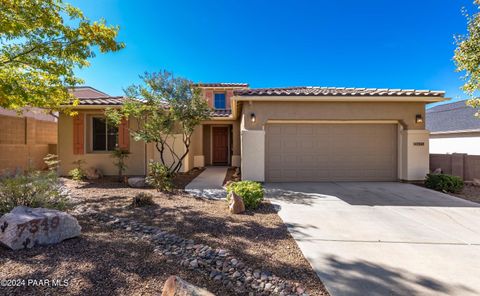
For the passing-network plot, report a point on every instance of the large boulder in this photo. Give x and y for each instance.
(136, 182)
(175, 286)
(237, 206)
(93, 173)
(476, 182)
(26, 227)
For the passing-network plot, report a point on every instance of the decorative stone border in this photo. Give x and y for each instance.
(217, 264)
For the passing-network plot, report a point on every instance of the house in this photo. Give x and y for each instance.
(276, 134)
(453, 129)
(25, 139)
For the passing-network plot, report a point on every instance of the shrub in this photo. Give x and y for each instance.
(120, 155)
(52, 162)
(142, 199)
(78, 173)
(34, 189)
(251, 192)
(159, 177)
(444, 182)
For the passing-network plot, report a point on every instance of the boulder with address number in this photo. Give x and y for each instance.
(26, 227)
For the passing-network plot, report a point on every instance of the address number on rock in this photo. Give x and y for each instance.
(34, 226)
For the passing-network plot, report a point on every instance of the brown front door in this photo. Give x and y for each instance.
(220, 145)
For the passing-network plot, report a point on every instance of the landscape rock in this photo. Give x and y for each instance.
(437, 171)
(476, 182)
(26, 227)
(175, 286)
(236, 204)
(93, 174)
(136, 182)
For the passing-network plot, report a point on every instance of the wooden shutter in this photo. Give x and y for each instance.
(228, 99)
(123, 135)
(78, 133)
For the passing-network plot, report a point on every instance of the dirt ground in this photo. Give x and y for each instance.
(104, 261)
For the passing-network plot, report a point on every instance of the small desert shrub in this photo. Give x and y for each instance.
(159, 177)
(52, 162)
(120, 155)
(34, 189)
(444, 182)
(142, 199)
(78, 173)
(251, 192)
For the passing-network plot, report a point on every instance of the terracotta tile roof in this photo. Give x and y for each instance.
(101, 101)
(221, 113)
(221, 84)
(335, 91)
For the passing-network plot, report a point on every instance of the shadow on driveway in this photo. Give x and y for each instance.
(363, 193)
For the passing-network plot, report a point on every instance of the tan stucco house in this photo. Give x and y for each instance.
(275, 134)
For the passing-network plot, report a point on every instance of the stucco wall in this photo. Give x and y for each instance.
(404, 112)
(101, 160)
(412, 136)
(455, 143)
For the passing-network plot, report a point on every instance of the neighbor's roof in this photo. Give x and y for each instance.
(87, 92)
(221, 84)
(452, 117)
(336, 91)
(102, 101)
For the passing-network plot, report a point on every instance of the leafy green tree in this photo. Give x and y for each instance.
(467, 57)
(42, 42)
(163, 106)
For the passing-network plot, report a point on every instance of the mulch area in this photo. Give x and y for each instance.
(104, 261)
(469, 192)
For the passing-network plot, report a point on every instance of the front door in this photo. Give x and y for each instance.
(220, 145)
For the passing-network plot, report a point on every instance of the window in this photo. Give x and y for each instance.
(104, 136)
(220, 101)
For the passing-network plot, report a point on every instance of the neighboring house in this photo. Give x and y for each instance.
(276, 134)
(26, 139)
(453, 129)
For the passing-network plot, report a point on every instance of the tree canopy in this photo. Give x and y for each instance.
(42, 42)
(163, 106)
(467, 57)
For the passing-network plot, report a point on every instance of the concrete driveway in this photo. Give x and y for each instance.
(367, 238)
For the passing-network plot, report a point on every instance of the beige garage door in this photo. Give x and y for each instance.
(331, 152)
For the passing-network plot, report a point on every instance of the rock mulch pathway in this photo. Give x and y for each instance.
(217, 264)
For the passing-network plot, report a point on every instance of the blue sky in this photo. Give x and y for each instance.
(345, 43)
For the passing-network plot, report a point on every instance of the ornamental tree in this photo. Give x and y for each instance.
(41, 43)
(467, 57)
(162, 107)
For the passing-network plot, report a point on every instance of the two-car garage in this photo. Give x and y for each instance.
(331, 152)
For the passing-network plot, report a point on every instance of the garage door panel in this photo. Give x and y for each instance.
(329, 152)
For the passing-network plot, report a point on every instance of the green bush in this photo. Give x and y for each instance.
(34, 189)
(142, 199)
(159, 177)
(251, 192)
(78, 173)
(443, 182)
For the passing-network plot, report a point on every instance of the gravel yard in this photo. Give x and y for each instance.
(469, 192)
(110, 261)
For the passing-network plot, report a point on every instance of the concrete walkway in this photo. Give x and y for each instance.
(367, 238)
(209, 183)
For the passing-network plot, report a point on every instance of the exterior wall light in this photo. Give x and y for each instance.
(418, 118)
(253, 118)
